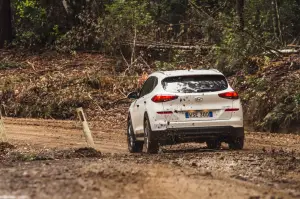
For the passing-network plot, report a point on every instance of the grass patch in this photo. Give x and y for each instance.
(5, 65)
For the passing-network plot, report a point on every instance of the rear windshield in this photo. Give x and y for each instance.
(195, 84)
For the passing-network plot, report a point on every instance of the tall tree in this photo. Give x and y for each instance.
(5, 22)
(240, 14)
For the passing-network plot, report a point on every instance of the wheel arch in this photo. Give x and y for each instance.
(145, 116)
(129, 118)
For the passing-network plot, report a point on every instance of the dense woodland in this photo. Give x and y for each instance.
(244, 38)
(230, 30)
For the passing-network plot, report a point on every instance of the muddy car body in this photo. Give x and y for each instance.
(185, 106)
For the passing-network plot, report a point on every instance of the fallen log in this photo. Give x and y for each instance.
(169, 46)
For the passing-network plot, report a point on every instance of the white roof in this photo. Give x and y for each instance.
(188, 72)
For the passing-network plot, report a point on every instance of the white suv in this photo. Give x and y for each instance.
(185, 106)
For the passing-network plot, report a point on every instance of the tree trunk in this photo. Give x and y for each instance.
(240, 14)
(5, 23)
(276, 20)
(73, 8)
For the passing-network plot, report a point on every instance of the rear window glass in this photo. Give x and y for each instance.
(195, 84)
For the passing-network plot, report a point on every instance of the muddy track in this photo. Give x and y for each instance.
(46, 164)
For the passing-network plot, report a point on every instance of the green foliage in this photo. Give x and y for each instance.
(236, 47)
(32, 25)
(297, 98)
(259, 34)
(29, 9)
(283, 115)
(104, 25)
(131, 14)
(163, 66)
(122, 21)
(125, 21)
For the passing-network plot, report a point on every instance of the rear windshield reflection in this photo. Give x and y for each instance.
(195, 84)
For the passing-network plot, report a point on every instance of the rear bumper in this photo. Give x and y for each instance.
(162, 125)
(222, 133)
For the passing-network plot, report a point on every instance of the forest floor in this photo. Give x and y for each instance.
(47, 159)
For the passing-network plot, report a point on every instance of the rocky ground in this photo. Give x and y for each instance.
(47, 159)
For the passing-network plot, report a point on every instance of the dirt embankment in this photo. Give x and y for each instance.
(46, 163)
(270, 93)
(52, 85)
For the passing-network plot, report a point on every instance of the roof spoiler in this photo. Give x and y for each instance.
(216, 70)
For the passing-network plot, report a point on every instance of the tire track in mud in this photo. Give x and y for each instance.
(175, 183)
(154, 186)
(57, 135)
(268, 167)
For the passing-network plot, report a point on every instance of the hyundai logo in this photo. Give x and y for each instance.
(198, 99)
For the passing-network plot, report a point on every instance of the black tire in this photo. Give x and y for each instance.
(150, 142)
(237, 143)
(213, 144)
(134, 146)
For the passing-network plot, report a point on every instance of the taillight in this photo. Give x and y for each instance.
(163, 98)
(229, 95)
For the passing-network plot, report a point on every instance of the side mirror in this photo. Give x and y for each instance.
(133, 95)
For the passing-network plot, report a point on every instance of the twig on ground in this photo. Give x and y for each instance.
(130, 66)
(124, 59)
(89, 95)
(122, 93)
(118, 100)
(143, 60)
(31, 64)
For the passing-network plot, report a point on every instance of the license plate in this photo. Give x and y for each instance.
(199, 114)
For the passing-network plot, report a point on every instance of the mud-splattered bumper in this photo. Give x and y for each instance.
(223, 133)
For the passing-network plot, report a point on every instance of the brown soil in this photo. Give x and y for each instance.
(49, 160)
(5, 146)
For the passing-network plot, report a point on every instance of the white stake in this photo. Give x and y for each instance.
(2, 129)
(86, 130)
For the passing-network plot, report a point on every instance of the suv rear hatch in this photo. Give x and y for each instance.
(198, 98)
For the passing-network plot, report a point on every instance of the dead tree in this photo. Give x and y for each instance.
(5, 23)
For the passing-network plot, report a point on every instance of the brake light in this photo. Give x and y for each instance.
(163, 98)
(164, 112)
(229, 95)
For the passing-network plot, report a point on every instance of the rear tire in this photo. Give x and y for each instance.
(213, 144)
(134, 146)
(237, 143)
(150, 142)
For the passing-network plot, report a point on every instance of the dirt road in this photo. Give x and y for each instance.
(44, 163)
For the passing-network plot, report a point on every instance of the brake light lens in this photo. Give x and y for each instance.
(163, 98)
(229, 95)
(164, 112)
